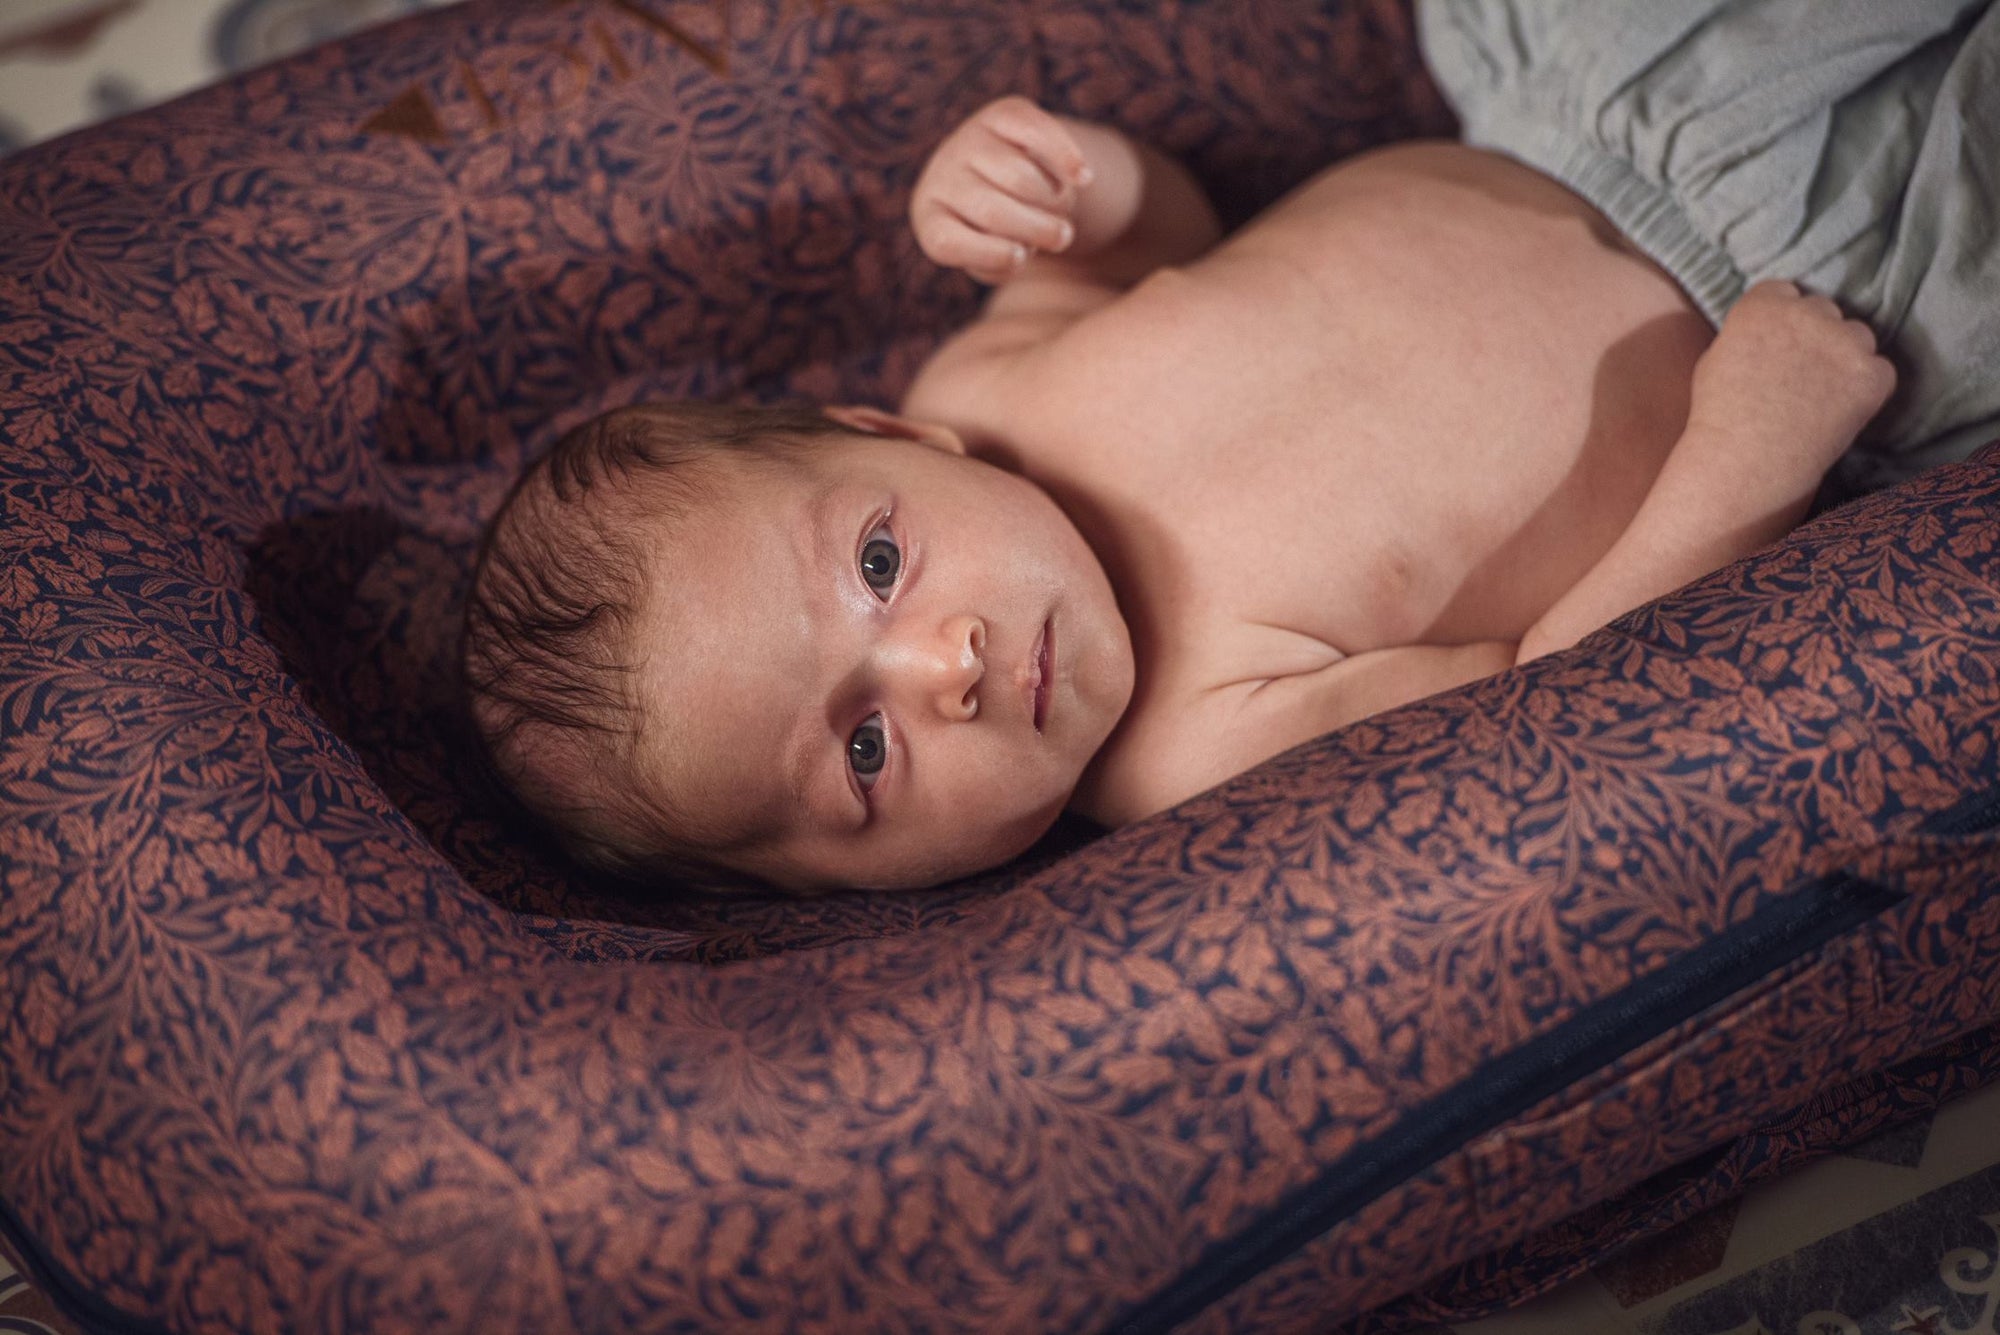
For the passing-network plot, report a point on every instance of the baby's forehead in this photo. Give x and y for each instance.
(723, 642)
(712, 723)
(765, 481)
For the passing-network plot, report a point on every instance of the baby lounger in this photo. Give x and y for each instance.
(1409, 1023)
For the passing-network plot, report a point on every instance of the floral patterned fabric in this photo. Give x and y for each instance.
(300, 1033)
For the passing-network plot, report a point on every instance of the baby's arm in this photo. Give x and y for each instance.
(1016, 191)
(1777, 398)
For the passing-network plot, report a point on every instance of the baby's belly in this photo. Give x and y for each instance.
(1471, 382)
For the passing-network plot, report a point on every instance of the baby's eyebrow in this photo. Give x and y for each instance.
(798, 766)
(817, 515)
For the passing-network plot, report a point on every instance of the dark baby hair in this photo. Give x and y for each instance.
(544, 659)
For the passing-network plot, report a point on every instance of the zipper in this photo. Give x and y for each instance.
(1978, 811)
(1782, 931)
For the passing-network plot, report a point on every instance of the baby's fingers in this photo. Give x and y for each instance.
(1042, 137)
(1879, 374)
(1854, 332)
(1859, 332)
(993, 210)
(1005, 167)
(957, 244)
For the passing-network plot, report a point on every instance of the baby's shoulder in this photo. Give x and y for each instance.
(1072, 356)
(976, 372)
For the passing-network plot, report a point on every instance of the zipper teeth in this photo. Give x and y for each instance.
(1981, 811)
(1599, 1025)
(1640, 1012)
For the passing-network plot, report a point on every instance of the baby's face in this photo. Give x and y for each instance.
(890, 661)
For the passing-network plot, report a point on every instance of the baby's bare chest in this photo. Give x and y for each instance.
(1413, 402)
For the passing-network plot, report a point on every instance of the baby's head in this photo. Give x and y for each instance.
(817, 648)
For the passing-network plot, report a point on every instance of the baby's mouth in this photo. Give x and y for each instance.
(1041, 665)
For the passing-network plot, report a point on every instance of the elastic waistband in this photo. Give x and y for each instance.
(1642, 210)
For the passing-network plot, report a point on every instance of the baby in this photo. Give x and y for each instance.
(1175, 502)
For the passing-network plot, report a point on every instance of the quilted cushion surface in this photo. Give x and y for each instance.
(299, 1034)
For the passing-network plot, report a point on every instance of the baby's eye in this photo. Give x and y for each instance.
(867, 749)
(881, 562)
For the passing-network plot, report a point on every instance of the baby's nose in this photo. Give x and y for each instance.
(954, 666)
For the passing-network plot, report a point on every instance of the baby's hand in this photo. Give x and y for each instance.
(1001, 185)
(1791, 380)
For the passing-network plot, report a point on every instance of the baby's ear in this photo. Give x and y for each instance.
(875, 422)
